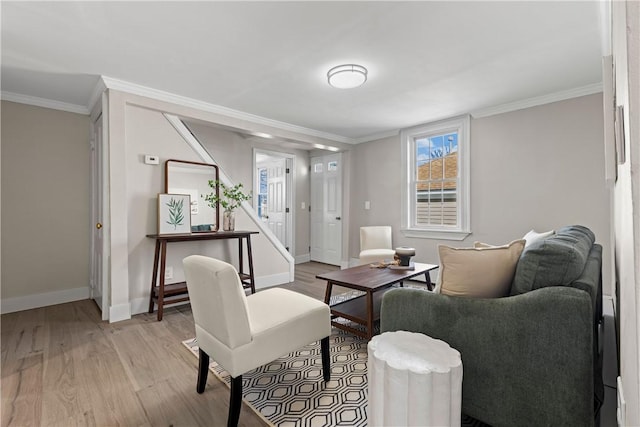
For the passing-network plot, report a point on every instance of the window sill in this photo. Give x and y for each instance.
(435, 234)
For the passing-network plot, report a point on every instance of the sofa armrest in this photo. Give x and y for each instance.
(527, 359)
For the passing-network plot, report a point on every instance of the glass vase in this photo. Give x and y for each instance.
(228, 221)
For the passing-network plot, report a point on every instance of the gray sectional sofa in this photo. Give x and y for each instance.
(533, 357)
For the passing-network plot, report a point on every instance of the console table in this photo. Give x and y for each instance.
(164, 294)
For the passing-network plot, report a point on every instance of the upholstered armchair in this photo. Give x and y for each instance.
(375, 244)
(242, 333)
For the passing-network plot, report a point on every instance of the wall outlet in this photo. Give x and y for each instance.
(168, 273)
(367, 205)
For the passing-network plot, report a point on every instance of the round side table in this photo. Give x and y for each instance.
(414, 380)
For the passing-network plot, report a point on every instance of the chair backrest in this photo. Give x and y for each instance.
(218, 301)
(375, 237)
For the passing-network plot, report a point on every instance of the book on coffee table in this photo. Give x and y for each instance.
(411, 266)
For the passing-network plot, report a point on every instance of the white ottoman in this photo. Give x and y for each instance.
(414, 380)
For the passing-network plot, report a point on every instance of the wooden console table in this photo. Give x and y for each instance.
(164, 294)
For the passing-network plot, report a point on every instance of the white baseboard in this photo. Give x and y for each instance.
(27, 302)
(120, 312)
(303, 258)
(621, 413)
(608, 343)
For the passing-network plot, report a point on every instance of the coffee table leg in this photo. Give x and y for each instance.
(327, 294)
(427, 277)
(369, 315)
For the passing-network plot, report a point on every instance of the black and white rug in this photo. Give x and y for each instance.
(290, 391)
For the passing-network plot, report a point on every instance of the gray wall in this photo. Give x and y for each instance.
(45, 200)
(537, 168)
(626, 216)
(235, 155)
(148, 132)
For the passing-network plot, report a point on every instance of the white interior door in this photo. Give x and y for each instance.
(274, 197)
(97, 282)
(274, 214)
(326, 209)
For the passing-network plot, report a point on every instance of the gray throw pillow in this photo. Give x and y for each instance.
(555, 261)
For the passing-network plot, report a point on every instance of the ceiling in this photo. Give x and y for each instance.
(427, 60)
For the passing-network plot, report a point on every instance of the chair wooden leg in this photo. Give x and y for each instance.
(203, 371)
(235, 402)
(326, 358)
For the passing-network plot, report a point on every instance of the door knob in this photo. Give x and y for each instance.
(98, 226)
(338, 218)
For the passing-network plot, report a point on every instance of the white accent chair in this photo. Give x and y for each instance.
(243, 332)
(375, 244)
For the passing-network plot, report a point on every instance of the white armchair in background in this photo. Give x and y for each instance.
(242, 333)
(375, 244)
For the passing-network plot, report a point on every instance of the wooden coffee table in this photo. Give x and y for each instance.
(365, 309)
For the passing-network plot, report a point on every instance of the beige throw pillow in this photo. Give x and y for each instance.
(484, 271)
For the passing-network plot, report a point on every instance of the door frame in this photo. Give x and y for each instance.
(290, 203)
(99, 201)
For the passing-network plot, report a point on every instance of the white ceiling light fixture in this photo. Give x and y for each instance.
(347, 76)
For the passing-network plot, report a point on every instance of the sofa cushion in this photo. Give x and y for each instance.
(484, 272)
(557, 260)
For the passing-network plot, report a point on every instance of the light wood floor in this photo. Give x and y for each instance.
(63, 366)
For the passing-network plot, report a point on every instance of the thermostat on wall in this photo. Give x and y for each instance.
(151, 160)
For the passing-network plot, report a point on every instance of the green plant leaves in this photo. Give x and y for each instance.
(230, 198)
(176, 212)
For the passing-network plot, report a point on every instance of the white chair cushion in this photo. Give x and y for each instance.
(281, 321)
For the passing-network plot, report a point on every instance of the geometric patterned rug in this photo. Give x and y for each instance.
(290, 391)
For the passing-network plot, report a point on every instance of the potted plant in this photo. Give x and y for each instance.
(230, 198)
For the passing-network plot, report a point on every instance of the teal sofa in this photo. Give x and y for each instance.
(533, 357)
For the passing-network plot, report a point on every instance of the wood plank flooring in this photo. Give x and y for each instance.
(63, 366)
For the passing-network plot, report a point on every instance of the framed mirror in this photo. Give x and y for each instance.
(192, 178)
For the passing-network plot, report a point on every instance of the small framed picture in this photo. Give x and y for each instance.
(174, 213)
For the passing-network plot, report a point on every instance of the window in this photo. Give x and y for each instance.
(262, 192)
(436, 186)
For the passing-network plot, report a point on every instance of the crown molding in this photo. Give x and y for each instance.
(96, 95)
(376, 136)
(43, 102)
(184, 101)
(538, 100)
(105, 83)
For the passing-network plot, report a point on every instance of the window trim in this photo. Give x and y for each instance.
(460, 124)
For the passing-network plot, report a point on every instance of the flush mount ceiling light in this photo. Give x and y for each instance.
(347, 76)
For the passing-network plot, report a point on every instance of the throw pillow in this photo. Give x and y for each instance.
(556, 261)
(484, 272)
(533, 236)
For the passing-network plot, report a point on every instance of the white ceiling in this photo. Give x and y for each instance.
(427, 60)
